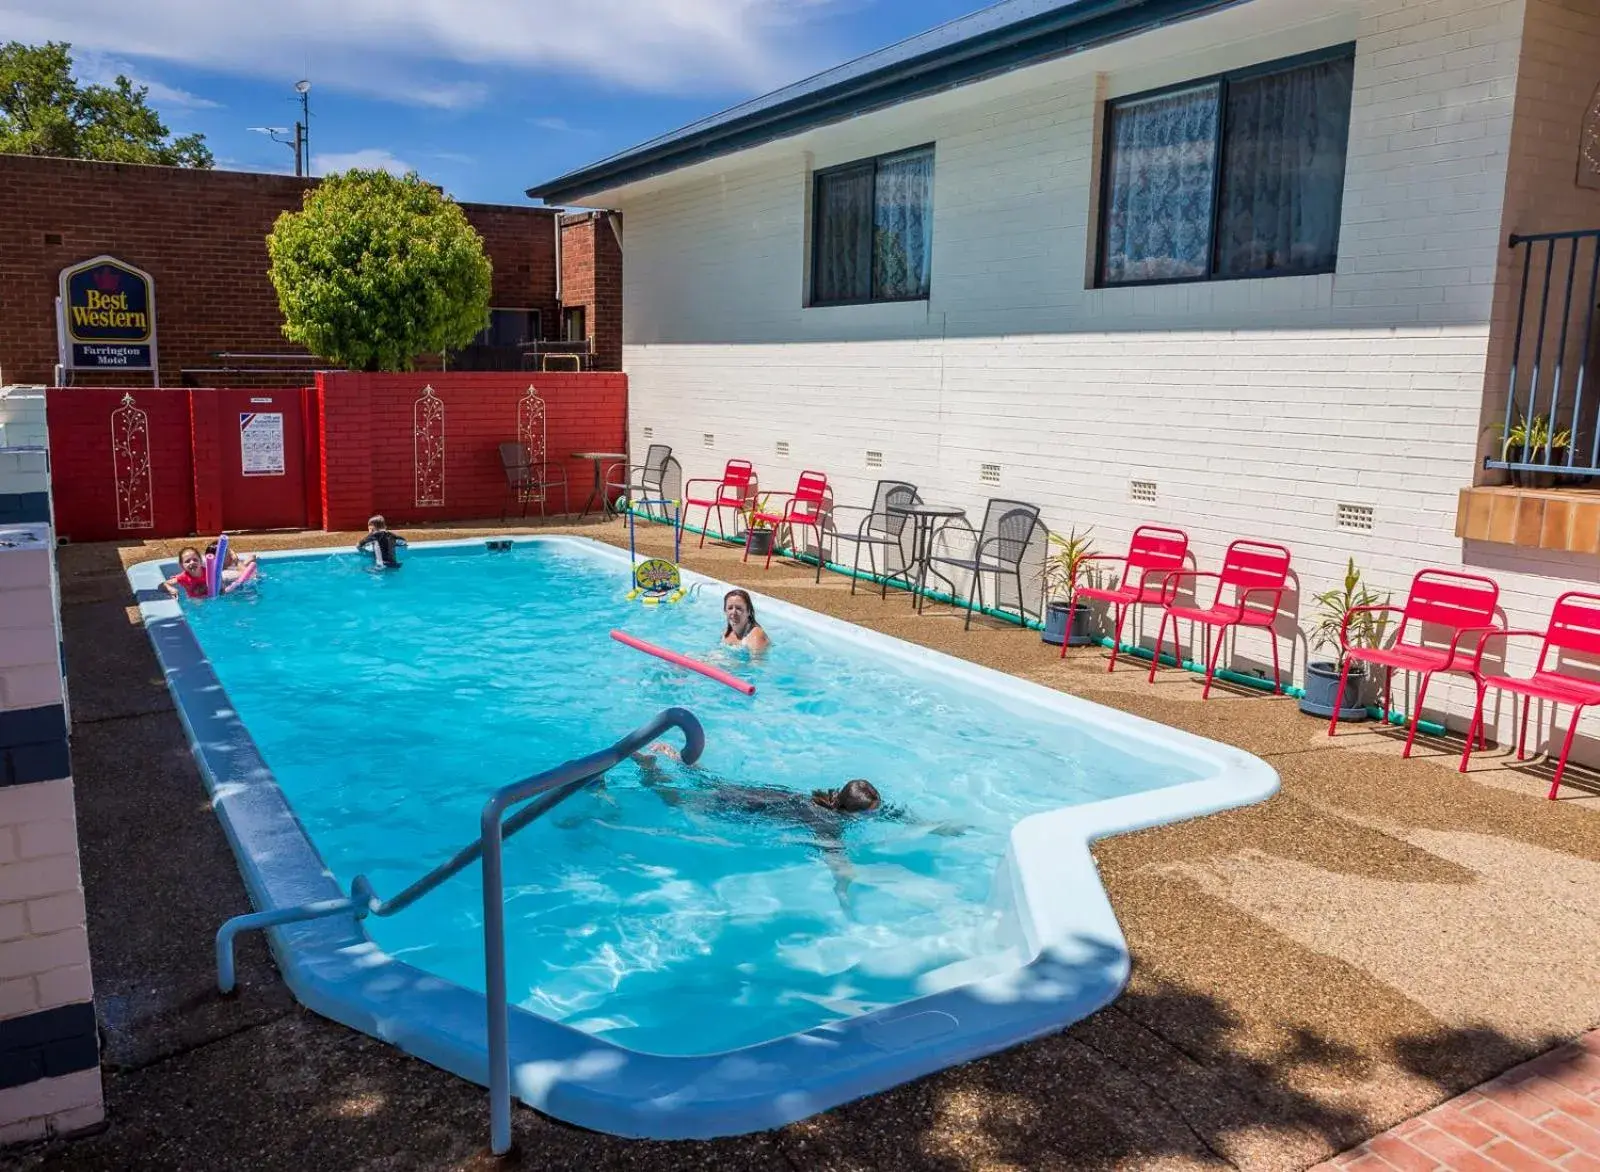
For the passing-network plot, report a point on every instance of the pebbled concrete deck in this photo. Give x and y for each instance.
(1381, 936)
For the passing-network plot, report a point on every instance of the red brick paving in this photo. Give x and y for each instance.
(1544, 1114)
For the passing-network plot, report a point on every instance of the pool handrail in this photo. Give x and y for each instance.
(552, 787)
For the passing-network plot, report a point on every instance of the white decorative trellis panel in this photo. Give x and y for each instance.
(530, 434)
(130, 466)
(427, 448)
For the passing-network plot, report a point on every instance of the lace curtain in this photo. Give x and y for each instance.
(1281, 174)
(874, 230)
(1283, 170)
(1159, 190)
(903, 226)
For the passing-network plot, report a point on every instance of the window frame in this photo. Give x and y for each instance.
(1221, 81)
(574, 313)
(812, 301)
(537, 319)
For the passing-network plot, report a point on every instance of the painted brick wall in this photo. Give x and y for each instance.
(202, 236)
(80, 421)
(49, 1051)
(591, 276)
(1256, 407)
(368, 439)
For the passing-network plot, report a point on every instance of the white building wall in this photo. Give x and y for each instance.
(1257, 407)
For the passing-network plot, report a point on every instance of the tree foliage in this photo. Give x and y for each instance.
(375, 270)
(45, 111)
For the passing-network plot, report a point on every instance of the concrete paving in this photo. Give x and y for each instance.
(1381, 936)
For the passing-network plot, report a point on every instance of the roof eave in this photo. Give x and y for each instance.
(1018, 46)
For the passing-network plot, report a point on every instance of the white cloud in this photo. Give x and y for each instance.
(368, 159)
(434, 52)
(99, 69)
(555, 125)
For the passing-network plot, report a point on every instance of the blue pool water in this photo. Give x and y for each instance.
(389, 705)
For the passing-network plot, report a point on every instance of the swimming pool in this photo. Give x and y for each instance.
(680, 967)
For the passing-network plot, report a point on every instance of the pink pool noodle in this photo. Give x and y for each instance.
(705, 669)
(245, 575)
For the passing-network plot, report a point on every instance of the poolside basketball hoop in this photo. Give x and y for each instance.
(655, 580)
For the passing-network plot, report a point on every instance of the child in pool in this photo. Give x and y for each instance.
(234, 568)
(381, 543)
(191, 576)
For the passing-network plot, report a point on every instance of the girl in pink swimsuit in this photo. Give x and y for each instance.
(191, 578)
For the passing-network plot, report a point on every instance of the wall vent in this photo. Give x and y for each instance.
(988, 474)
(709, 440)
(649, 433)
(1357, 517)
(1142, 491)
(782, 448)
(874, 459)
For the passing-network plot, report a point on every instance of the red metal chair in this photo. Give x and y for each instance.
(1249, 592)
(1154, 552)
(734, 491)
(1574, 626)
(1460, 604)
(807, 505)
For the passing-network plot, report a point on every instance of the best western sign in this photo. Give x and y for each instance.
(106, 316)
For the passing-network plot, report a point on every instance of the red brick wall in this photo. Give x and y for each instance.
(591, 276)
(202, 236)
(368, 461)
(82, 476)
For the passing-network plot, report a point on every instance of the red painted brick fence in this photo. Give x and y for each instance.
(148, 462)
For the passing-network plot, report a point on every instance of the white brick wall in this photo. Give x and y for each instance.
(44, 948)
(1256, 406)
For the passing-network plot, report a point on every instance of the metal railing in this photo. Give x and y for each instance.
(551, 788)
(1552, 417)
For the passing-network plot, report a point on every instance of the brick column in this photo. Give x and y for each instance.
(49, 1049)
(344, 421)
(205, 436)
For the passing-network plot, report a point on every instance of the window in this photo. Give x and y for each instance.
(510, 327)
(572, 324)
(872, 230)
(1237, 176)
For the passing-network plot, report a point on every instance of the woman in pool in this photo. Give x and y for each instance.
(191, 576)
(742, 629)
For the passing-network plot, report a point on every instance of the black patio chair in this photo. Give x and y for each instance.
(1012, 543)
(880, 528)
(527, 481)
(659, 478)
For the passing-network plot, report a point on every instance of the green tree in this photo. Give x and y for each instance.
(44, 111)
(375, 270)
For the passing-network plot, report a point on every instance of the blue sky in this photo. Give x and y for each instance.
(482, 96)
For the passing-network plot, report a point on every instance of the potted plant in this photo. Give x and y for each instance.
(1060, 576)
(1366, 629)
(1534, 439)
(758, 533)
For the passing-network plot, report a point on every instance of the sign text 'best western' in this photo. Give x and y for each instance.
(107, 316)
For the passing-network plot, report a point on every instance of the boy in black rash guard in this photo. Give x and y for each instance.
(379, 539)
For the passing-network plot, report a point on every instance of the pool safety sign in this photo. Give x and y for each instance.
(106, 316)
(261, 443)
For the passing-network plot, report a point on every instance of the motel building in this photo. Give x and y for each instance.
(1280, 269)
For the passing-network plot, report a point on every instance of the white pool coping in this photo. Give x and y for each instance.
(1072, 959)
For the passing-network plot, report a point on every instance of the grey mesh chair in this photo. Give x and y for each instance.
(527, 481)
(1011, 545)
(660, 477)
(881, 528)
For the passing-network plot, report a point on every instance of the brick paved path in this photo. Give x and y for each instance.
(1543, 1114)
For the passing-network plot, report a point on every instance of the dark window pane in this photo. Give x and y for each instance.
(1161, 168)
(1283, 171)
(903, 225)
(842, 256)
(572, 324)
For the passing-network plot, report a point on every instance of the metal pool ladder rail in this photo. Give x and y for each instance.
(551, 788)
